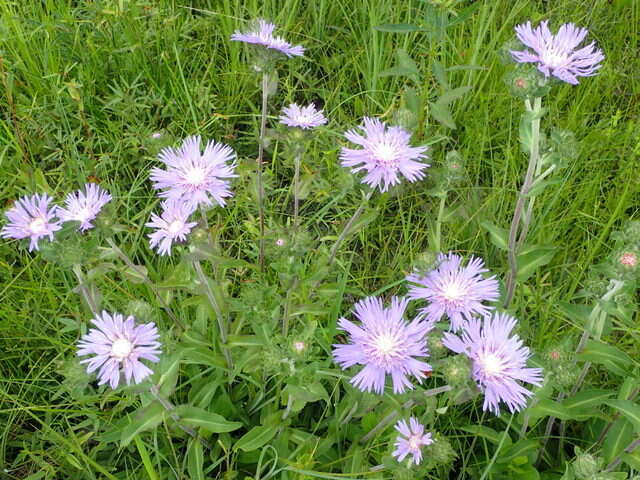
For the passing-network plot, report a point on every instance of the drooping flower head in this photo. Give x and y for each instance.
(498, 360)
(84, 206)
(385, 154)
(411, 440)
(31, 218)
(262, 34)
(172, 225)
(118, 344)
(385, 344)
(194, 177)
(453, 290)
(302, 117)
(558, 54)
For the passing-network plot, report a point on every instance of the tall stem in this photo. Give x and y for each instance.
(84, 292)
(216, 308)
(296, 190)
(127, 261)
(348, 226)
(170, 408)
(443, 201)
(534, 159)
(263, 126)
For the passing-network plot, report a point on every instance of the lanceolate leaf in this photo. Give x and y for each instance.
(256, 438)
(144, 419)
(630, 410)
(199, 417)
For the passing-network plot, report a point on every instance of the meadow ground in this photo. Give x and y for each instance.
(86, 84)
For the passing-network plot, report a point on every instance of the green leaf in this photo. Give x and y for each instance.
(146, 459)
(588, 399)
(522, 448)
(498, 236)
(608, 356)
(195, 460)
(199, 417)
(440, 74)
(549, 408)
(442, 114)
(398, 28)
(256, 438)
(632, 459)
(630, 410)
(464, 14)
(485, 432)
(405, 67)
(618, 437)
(146, 418)
(452, 95)
(532, 258)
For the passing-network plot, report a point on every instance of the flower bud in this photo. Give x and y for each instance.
(440, 451)
(456, 370)
(586, 466)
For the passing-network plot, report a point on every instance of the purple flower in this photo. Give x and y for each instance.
(119, 343)
(302, 117)
(411, 440)
(84, 206)
(498, 360)
(262, 34)
(171, 226)
(384, 344)
(191, 176)
(31, 218)
(453, 290)
(556, 54)
(386, 153)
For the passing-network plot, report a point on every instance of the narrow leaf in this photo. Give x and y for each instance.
(498, 236)
(256, 438)
(195, 460)
(199, 417)
(398, 28)
(630, 410)
(442, 114)
(146, 418)
(452, 95)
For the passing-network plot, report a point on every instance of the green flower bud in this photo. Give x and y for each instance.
(440, 451)
(456, 370)
(586, 466)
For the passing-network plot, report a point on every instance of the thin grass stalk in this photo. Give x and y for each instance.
(296, 191)
(347, 227)
(263, 126)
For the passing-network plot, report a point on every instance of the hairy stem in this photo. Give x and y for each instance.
(296, 191)
(263, 126)
(216, 308)
(534, 159)
(127, 261)
(84, 292)
(443, 201)
(347, 227)
(170, 408)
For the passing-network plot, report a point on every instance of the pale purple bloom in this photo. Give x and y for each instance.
(453, 290)
(558, 54)
(119, 345)
(385, 344)
(385, 154)
(498, 360)
(411, 440)
(262, 34)
(172, 225)
(31, 218)
(84, 206)
(192, 176)
(302, 117)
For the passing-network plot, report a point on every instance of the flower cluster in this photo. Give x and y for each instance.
(34, 217)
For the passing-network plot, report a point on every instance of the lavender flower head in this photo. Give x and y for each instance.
(411, 440)
(194, 177)
(558, 54)
(385, 154)
(31, 218)
(453, 290)
(118, 344)
(84, 206)
(302, 117)
(498, 361)
(385, 344)
(262, 34)
(172, 225)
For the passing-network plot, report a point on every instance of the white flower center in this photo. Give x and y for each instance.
(385, 154)
(299, 346)
(554, 59)
(196, 176)
(38, 225)
(121, 348)
(415, 442)
(83, 214)
(452, 292)
(491, 365)
(385, 345)
(175, 226)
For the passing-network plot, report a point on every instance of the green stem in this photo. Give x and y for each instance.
(216, 308)
(296, 191)
(127, 261)
(534, 159)
(263, 126)
(84, 292)
(443, 200)
(347, 227)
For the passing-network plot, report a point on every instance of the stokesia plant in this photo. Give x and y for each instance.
(241, 353)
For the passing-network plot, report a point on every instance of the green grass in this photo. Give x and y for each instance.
(85, 84)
